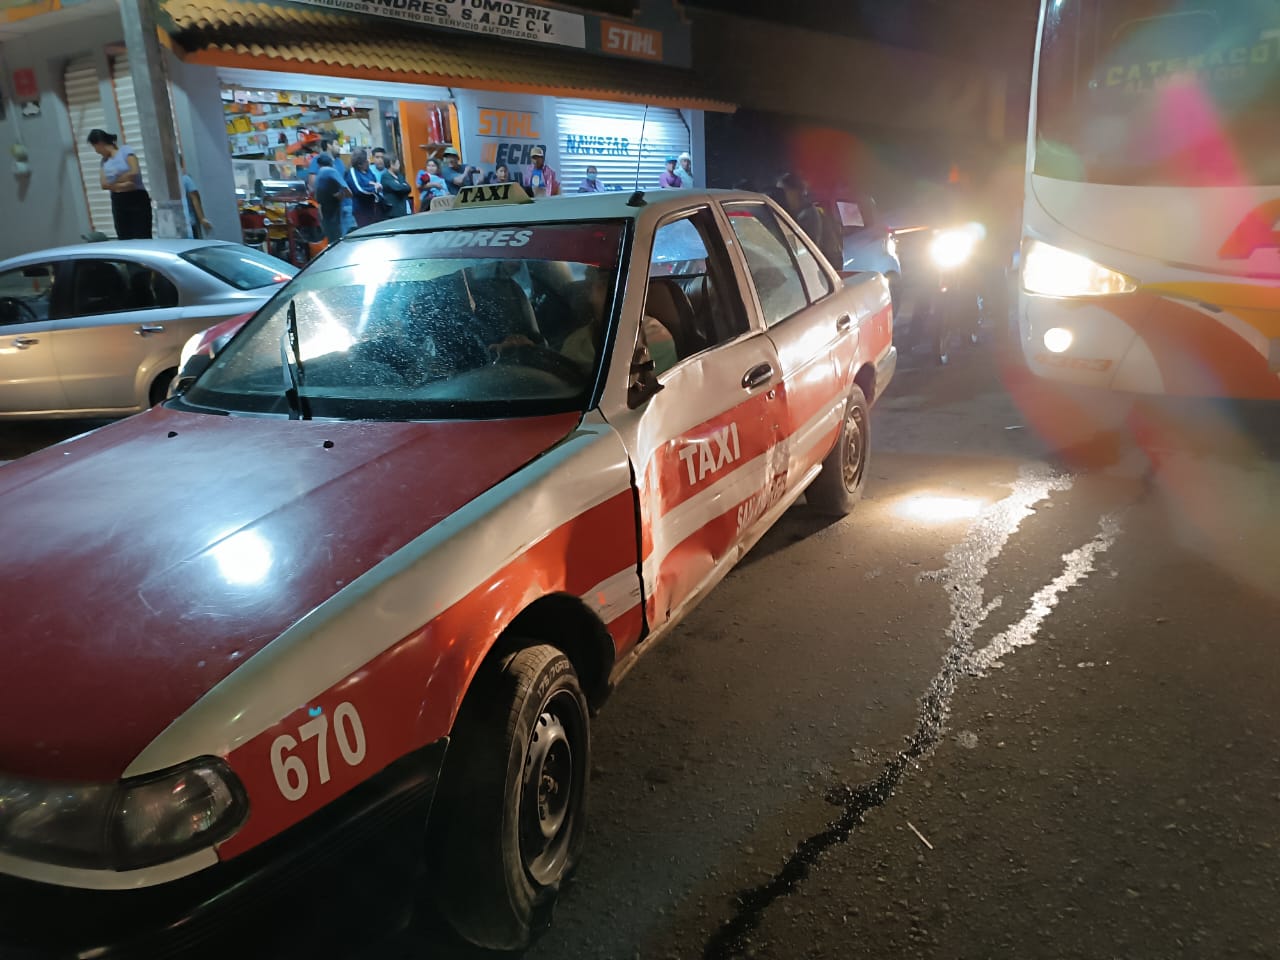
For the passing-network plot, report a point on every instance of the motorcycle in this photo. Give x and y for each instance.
(957, 307)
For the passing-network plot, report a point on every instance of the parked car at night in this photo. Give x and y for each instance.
(869, 243)
(366, 578)
(95, 330)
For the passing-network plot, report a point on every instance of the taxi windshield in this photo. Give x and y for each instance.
(492, 322)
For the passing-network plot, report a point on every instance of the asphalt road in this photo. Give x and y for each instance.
(1023, 703)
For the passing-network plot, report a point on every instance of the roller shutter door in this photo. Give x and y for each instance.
(127, 106)
(84, 103)
(608, 137)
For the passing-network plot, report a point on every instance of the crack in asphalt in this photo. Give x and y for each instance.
(967, 566)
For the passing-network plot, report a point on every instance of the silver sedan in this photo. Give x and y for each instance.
(96, 330)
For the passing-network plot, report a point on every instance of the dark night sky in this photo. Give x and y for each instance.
(1001, 30)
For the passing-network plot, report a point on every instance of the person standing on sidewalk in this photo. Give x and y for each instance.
(670, 180)
(366, 190)
(591, 182)
(396, 191)
(334, 151)
(684, 170)
(539, 178)
(455, 175)
(196, 220)
(331, 192)
(122, 177)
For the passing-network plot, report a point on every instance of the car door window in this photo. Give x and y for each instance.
(26, 294)
(774, 272)
(113, 286)
(691, 303)
(816, 281)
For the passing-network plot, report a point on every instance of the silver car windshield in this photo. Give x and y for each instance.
(434, 324)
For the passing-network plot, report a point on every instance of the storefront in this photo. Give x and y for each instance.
(248, 79)
(622, 103)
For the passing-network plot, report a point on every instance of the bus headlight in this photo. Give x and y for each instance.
(1050, 271)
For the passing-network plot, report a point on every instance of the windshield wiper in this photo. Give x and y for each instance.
(291, 361)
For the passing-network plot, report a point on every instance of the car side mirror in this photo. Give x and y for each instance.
(190, 373)
(643, 383)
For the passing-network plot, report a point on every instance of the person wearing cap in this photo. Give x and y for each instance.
(684, 170)
(669, 179)
(456, 176)
(539, 178)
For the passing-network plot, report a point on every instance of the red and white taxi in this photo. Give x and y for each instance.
(392, 547)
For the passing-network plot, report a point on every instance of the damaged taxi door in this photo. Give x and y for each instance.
(705, 448)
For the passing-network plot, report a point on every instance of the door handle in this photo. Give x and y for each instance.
(843, 323)
(757, 376)
(149, 328)
(23, 342)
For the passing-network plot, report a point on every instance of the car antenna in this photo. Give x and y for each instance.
(637, 198)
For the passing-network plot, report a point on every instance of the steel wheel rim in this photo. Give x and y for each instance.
(551, 789)
(853, 448)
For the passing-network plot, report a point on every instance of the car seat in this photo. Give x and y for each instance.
(100, 287)
(668, 304)
(503, 310)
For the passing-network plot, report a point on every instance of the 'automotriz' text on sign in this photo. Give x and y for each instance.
(498, 18)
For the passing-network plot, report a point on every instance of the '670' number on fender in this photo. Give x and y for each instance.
(292, 776)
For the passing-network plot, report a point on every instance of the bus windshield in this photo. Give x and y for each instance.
(1160, 92)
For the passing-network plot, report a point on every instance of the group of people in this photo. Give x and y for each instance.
(446, 176)
(374, 188)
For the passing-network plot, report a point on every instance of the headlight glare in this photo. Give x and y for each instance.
(1050, 271)
(952, 248)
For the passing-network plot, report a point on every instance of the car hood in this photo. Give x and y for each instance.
(144, 562)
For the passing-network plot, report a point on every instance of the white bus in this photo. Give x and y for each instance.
(1151, 223)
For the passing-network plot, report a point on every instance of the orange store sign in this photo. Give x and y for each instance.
(625, 40)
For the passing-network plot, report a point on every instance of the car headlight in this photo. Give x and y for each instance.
(121, 826)
(1050, 271)
(952, 248)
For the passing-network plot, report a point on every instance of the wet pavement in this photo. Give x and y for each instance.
(1023, 702)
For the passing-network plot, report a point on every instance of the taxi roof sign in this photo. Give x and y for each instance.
(492, 194)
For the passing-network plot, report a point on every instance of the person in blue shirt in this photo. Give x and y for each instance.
(331, 193)
(334, 152)
(196, 220)
(591, 182)
(455, 175)
(366, 189)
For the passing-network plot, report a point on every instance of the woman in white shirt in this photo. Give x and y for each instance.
(122, 176)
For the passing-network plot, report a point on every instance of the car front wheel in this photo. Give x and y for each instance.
(508, 825)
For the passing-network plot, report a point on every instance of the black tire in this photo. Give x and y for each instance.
(509, 821)
(160, 386)
(838, 488)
